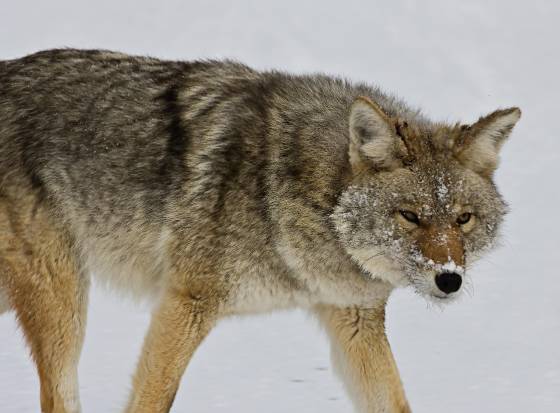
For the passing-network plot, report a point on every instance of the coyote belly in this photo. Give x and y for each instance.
(217, 190)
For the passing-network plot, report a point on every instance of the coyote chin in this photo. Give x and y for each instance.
(219, 190)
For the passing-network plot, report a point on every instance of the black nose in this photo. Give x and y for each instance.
(448, 282)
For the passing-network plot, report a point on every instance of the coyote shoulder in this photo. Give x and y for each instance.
(216, 190)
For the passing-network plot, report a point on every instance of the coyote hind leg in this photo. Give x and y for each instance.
(49, 295)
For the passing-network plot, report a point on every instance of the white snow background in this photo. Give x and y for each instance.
(498, 351)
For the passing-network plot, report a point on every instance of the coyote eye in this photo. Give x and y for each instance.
(410, 216)
(464, 218)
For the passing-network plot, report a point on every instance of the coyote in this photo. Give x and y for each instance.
(215, 190)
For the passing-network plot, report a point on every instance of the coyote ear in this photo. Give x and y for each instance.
(482, 140)
(373, 138)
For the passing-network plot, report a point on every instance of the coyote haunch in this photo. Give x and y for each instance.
(219, 190)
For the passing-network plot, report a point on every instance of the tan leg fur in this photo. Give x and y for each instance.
(178, 326)
(362, 357)
(41, 280)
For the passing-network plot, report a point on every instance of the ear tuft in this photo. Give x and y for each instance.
(372, 136)
(483, 140)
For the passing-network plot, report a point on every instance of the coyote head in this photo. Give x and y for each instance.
(422, 205)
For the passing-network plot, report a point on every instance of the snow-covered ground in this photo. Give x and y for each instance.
(496, 351)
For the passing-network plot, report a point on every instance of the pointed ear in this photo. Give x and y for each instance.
(483, 140)
(373, 140)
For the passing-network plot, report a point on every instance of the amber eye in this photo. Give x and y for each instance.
(410, 216)
(464, 218)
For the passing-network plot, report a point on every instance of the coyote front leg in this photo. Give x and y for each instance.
(178, 326)
(362, 357)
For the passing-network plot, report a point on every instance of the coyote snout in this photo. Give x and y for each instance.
(442, 252)
(437, 280)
